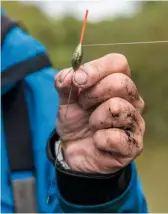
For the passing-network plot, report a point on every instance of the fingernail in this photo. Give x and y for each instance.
(80, 77)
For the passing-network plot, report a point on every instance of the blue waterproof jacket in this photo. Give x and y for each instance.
(43, 102)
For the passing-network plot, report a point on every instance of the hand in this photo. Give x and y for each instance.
(103, 130)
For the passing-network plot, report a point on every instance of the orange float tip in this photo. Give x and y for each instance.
(84, 27)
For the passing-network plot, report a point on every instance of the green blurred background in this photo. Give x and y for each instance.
(149, 65)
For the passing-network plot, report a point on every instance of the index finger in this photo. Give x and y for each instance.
(92, 72)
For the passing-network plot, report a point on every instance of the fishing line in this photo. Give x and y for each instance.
(125, 43)
(53, 175)
(69, 97)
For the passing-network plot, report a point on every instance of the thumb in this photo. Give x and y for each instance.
(64, 84)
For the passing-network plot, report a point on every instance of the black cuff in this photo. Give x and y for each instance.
(85, 188)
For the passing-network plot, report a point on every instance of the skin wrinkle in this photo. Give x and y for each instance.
(93, 163)
(71, 152)
(89, 162)
(99, 69)
(77, 135)
(68, 129)
(91, 96)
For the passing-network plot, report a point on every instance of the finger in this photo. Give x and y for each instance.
(117, 113)
(113, 85)
(63, 84)
(92, 72)
(118, 144)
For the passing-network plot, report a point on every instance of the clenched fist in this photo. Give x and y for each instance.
(103, 129)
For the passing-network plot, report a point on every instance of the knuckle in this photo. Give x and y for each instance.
(139, 104)
(115, 105)
(142, 104)
(120, 81)
(122, 63)
(96, 66)
(127, 88)
(142, 125)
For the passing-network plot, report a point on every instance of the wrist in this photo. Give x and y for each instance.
(93, 188)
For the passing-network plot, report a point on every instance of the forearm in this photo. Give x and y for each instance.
(81, 192)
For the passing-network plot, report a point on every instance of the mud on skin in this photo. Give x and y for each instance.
(128, 114)
(132, 94)
(130, 127)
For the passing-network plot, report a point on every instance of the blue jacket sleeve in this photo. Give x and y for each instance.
(132, 200)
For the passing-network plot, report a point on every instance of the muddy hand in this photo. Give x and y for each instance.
(104, 129)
